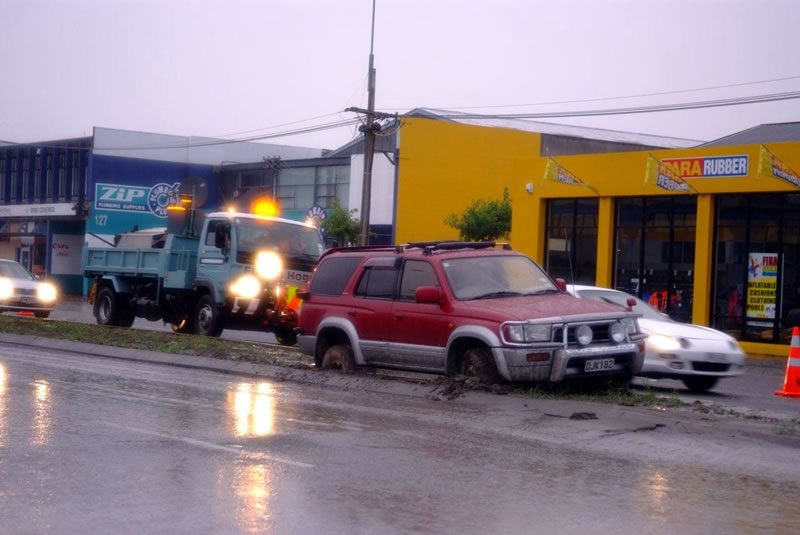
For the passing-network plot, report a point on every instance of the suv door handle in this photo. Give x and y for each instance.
(399, 316)
(351, 313)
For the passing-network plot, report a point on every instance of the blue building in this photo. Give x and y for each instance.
(55, 196)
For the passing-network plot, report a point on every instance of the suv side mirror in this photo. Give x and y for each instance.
(428, 294)
(561, 284)
(303, 294)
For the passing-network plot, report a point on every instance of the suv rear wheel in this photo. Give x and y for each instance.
(478, 362)
(339, 357)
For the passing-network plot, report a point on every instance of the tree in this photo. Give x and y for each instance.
(341, 225)
(484, 220)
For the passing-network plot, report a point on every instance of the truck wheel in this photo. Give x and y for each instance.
(339, 357)
(286, 337)
(207, 320)
(478, 362)
(699, 384)
(43, 315)
(105, 307)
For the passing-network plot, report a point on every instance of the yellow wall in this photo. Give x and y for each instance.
(445, 166)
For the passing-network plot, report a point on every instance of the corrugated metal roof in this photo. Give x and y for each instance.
(763, 133)
(542, 127)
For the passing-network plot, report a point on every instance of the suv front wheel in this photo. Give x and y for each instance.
(339, 357)
(478, 362)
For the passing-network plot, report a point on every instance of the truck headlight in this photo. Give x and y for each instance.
(246, 287)
(584, 335)
(520, 333)
(6, 288)
(46, 292)
(269, 265)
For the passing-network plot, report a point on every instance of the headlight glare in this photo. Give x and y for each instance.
(663, 342)
(6, 288)
(584, 335)
(618, 332)
(46, 292)
(269, 265)
(246, 287)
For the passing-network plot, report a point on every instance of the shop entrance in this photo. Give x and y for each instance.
(654, 256)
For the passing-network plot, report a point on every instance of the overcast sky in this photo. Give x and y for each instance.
(232, 68)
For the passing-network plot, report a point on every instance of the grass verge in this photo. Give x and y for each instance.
(182, 344)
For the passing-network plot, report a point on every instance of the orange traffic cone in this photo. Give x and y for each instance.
(791, 385)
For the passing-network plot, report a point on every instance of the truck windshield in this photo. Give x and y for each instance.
(486, 277)
(293, 240)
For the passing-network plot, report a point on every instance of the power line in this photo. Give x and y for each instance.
(601, 99)
(738, 101)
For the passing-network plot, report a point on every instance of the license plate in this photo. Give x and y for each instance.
(598, 365)
(27, 300)
(296, 278)
(717, 357)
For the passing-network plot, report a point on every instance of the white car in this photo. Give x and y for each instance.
(21, 292)
(698, 356)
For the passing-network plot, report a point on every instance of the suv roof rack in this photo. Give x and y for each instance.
(427, 246)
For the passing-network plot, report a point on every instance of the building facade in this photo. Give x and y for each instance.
(724, 250)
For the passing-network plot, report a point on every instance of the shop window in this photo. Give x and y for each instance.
(14, 180)
(757, 266)
(49, 177)
(62, 176)
(654, 257)
(37, 178)
(25, 179)
(571, 249)
(2, 179)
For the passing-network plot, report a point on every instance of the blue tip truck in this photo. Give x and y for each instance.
(205, 273)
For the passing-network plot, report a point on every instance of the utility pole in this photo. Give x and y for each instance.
(369, 138)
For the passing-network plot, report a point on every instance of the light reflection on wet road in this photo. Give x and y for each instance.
(95, 446)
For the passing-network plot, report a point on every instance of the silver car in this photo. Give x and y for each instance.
(699, 356)
(22, 292)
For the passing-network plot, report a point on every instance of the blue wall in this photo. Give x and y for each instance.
(125, 193)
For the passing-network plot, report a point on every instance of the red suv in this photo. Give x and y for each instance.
(459, 307)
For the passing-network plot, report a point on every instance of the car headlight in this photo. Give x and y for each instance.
(6, 288)
(269, 265)
(618, 332)
(46, 292)
(662, 342)
(584, 335)
(246, 287)
(520, 333)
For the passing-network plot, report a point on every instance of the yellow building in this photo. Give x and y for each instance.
(710, 234)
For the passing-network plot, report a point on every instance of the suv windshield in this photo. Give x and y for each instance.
(291, 239)
(485, 277)
(14, 271)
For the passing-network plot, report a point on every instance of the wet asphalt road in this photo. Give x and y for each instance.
(753, 390)
(90, 445)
